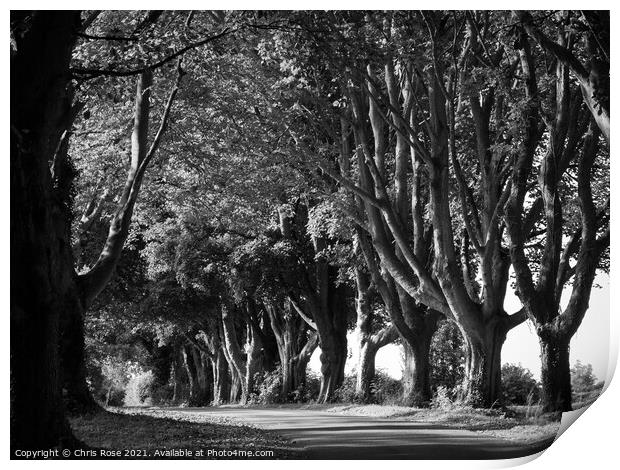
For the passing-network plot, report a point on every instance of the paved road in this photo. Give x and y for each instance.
(324, 435)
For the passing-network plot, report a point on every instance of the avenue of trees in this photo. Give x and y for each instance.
(208, 197)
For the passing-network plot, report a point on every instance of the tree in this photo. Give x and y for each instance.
(428, 89)
(518, 385)
(575, 221)
(414, 322)
(94, 280)
(584, 384)
(258, 267)
(89, 283)
(321, 300)
(330, 125)
(582, 377)
(40, 269)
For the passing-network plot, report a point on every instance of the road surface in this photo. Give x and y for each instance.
(325, 435)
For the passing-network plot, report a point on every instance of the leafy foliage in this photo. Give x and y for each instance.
(138, 388)
(447, 357)
(518, 385)
(584, 383)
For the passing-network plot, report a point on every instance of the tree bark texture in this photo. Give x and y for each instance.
(555, 375)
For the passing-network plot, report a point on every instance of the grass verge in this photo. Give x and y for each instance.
(161, 434)
(510, 425)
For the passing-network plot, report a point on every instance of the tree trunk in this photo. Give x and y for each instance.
(219, 363)
(555, 375)
(221, 378)
(197, 375)
(294, 346)
(235, 381)
(331, 322)
(483, 365)
(178, 369)
(289, 366)
(39, 79)
(365, 371)
(416, 325)
(330, 315)
(366, 350)
(300, 362)
(203, 390)
(300, 371)
(175, 387)
(333, 357)
(417, 371)
(255, 352)
(269, 354)
(286, 354)
(236, 392)
(191, 375)
(332, 339)
(95, 279)
(413, 322)
(161, 361)
(76, 394)
(236, 362)
(321, 303)
(251, 368)
(366, 360)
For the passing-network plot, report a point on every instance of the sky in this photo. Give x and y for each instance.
(590, 344)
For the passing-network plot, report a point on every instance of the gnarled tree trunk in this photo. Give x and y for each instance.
(417, 372)
(333, 357)
(555, 375)
(483, 364)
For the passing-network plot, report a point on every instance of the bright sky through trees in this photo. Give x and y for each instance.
(590, 345)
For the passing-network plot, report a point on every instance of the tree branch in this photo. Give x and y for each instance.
(92, 73)
(94, 281)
